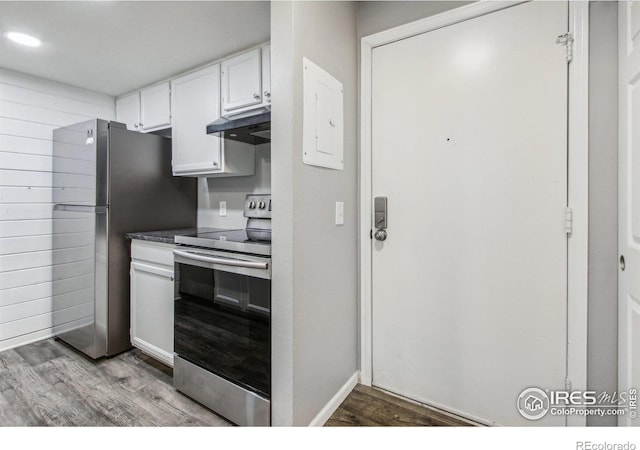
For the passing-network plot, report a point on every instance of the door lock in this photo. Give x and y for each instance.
(380, 235)
(380, 218)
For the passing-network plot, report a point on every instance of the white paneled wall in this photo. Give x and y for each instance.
(30, 108)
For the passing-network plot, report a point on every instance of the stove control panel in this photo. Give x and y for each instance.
(258, 206)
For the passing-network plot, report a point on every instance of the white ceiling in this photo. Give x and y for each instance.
(116, 47)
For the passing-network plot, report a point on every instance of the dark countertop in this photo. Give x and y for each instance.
(164, 236)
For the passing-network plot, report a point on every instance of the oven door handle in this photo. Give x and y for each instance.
(222, 261)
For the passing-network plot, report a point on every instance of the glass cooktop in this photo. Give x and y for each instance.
(222, 239)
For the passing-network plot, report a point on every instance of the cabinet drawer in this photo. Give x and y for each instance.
(153, 252)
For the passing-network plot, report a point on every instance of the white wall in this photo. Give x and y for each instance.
(314, 285)
(233, 190)
(30, 108)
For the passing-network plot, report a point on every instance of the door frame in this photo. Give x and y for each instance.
(577, 190)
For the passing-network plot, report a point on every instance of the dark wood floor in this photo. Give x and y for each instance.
(366, 406)
(49, 384)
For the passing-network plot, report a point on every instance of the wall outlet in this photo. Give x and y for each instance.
(223, 208)
(339, 213)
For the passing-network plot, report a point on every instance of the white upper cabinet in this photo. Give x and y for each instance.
(146, 110)
(196, 103)
(128, 110)
(239, 86)
(242, 82)
(155, 107)
(266, 75)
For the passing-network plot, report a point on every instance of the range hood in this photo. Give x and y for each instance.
(252, 130)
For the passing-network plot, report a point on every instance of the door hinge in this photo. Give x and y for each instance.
(370, 234)
(568, 220)
(567, 384)
(566, 39)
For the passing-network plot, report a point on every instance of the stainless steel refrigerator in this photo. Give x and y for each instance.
(107, 181)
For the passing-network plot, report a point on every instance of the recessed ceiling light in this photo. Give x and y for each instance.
(23, 39)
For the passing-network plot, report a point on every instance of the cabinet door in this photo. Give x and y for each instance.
(155, 107)
(152, 297)
(196, 103)
(266, 74)
(128, 111)
(241, 81)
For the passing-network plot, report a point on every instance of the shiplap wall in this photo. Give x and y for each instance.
(30, 108)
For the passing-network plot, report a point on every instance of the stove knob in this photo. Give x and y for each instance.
(262, 205)
(252, 204)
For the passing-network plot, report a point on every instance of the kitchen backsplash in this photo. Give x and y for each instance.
(211, 191)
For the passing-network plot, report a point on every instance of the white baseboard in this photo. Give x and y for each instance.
(25, 339)
(333, 404)
(41, 335)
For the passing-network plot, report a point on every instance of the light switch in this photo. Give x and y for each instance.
(223, 208)
(339, 213)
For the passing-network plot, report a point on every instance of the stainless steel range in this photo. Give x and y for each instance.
(223, 317)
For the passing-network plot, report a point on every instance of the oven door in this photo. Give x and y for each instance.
(222, 315)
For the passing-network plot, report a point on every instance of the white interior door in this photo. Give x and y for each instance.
(469, 145)
(629, 202)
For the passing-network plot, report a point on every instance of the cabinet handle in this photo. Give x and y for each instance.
(215, 164)
(135, 125)
(256, 96)
(141, 125)
(267, 94)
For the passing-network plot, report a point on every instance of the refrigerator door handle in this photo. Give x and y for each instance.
(79, 208)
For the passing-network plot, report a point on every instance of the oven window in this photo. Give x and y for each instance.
(222, 324)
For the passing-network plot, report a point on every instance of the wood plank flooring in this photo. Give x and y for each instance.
(49, 384)
(366, 406)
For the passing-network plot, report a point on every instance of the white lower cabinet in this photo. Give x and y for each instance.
(152, 299)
